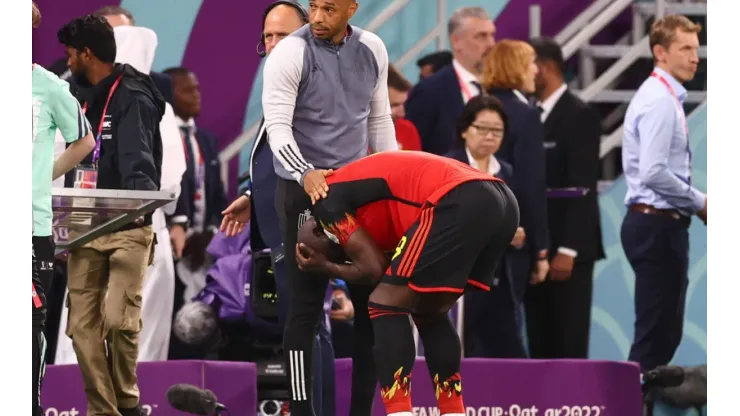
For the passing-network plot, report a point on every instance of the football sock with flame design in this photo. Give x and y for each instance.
(395, 353)
(443, 355)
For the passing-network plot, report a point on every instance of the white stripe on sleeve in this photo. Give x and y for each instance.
(281, 78)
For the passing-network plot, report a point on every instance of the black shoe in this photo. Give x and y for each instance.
(136, 411)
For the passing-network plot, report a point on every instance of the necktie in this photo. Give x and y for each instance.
(189, 154)
(476, 84)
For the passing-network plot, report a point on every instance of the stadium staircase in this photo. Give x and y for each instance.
(609, 67)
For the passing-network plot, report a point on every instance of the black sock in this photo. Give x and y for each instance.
(395, 354)
(443, 355)
(364, 378)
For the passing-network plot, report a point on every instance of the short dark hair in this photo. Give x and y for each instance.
(437, 60)
(176, 70)
(547, 49)
(396, 80)
(115, 11)
(473, 108)
(91, 32)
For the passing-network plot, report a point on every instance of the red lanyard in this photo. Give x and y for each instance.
(200, 171)
(35, 296)
(96, 150)
(675, 96)
(464, 87)
(685, 125)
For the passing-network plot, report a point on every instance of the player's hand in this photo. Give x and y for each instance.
(177, 237)
(314, 183)
(236, 216)
(561, 267)
(539, 274)
(346, 310)
(519, 238)
(310, 260)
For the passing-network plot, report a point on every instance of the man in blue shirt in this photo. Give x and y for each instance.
(657, 165)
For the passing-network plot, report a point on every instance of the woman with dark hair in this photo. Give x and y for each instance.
(492, 322)
(480, 131)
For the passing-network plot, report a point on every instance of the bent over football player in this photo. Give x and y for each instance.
(446, 224)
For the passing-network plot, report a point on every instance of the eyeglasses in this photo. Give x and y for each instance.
(484, 131)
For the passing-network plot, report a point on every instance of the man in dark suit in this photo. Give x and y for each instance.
(281, 19)
(435, 104)
(202, 196)
(431, 63)
(559, 310)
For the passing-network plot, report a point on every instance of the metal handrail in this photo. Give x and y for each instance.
(441, 21)
(386, 15)
(419, 46)
(581, 21)
(615, 70)
(594, 26)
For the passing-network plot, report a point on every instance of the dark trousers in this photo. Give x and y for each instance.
(364, 377)
(492, 327)
(42, 271)
(323, 355)
(558, 315)
(306, 293)
(657, 248)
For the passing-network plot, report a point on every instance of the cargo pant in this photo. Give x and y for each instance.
(105, 278)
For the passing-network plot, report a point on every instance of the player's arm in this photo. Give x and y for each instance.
(368, 262)
(69, 119)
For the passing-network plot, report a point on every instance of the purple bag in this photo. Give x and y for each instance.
(229, 280)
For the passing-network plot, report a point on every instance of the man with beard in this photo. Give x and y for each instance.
(105, 275)
(325, 101)
(436, 103)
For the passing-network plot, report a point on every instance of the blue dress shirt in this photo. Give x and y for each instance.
(655, 150)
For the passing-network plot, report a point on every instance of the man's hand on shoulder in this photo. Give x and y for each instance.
(314, 183)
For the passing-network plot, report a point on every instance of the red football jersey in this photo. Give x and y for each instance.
(384, 193)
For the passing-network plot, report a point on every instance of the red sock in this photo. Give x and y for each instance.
(449, 394)
(397, 397)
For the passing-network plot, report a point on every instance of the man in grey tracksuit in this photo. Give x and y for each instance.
(325, 101)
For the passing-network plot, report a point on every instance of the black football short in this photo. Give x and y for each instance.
(457, 243)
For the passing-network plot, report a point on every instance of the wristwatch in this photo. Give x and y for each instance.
(247, 193)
